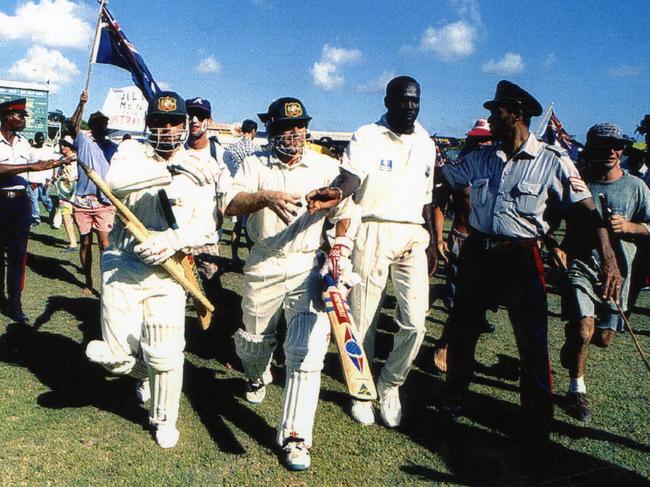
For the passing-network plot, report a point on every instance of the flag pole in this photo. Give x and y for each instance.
(544, 120)
(93, 51)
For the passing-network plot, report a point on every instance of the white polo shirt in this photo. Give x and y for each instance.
(396, 172)
(263, 171)
(14, 153)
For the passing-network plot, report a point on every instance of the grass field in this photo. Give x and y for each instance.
(65, 422)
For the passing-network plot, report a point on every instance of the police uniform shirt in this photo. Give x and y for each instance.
(14, 153)
(263, 171)
(396, 172)
(515, 198)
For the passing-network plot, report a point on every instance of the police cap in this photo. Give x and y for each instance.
(509, 95)
(17, 104)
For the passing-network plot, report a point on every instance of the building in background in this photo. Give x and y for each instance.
(37, 103)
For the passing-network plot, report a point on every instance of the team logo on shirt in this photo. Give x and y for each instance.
(386, 165)
(167, 104)
(293, 109)
(427, 173)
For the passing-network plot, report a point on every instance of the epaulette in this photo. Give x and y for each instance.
(556, 150)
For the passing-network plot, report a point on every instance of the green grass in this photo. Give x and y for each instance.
(65, 422)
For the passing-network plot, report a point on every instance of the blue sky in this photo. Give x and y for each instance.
(589, 57)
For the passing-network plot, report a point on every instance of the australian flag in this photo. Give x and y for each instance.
(555, 134)
(114, 48)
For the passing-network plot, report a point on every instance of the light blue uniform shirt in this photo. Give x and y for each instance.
(519, 197)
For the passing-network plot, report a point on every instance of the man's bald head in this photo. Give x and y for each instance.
(396, 85)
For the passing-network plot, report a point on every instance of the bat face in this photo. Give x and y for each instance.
(356, 368)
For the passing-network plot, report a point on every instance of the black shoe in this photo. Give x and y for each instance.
(578, 406)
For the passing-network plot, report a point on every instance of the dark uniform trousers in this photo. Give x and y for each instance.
(15, 219)
(510, 273)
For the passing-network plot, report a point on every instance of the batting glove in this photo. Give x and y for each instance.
(159, 247)
(340, 252)
(199, 171)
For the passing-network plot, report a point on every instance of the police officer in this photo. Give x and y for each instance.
(515, 186)
(15, 206)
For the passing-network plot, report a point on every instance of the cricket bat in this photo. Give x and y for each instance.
(356, 368)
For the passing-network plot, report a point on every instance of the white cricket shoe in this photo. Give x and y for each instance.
(166, 435)
(142, 391)
(256, 390)
(296, 455)
(363, 412)
(390, 407)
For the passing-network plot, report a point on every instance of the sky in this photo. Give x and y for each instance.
(591, 58)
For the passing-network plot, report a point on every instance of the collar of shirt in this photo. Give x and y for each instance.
(382, 123)
(17, 138)
(530, 149)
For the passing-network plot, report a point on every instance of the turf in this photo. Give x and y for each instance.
(65, 422)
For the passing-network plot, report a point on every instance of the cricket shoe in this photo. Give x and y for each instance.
(390, 407)
(256, 390)
(166, 435)
(142, 391)
(363, 412)
(296, 455)
(578, 406)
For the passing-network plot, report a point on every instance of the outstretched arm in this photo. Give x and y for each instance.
(281, 203)
(78, 113)
(343, 186)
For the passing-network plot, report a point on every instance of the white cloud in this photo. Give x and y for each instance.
(209, 65)
(550, 60)
(56, 23)
(42, 65)
(377, 85)
(163, 85)
(326, 72)
(625, 71)
(450, 42)
(510, 63)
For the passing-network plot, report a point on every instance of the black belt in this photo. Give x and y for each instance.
(495, 242)
(10, 194)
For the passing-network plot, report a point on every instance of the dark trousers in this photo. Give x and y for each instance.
(509, 274)
(15, 219)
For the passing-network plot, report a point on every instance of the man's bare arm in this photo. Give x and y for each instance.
(609, 267)
(79, 111)
(11, 170)
(343, 186)
(281, 203)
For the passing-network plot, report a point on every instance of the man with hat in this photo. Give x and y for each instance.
(15, 206)
(594, 320)
(142, 307)
(39, 181)
(281, 274)
(516, 185)
(199, 113)
(92, 212)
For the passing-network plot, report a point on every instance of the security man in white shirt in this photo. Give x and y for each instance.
(15, 206)
(281, 274)
(518, 187)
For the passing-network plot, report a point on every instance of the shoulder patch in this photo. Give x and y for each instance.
(556, 150)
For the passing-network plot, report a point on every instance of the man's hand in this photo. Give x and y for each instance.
(323, 199)
(612, 279)
(340, 251)
(282, 204)
(443, 250)
(158, 247)
(83, 98)
(559, 258)
(432, 258)
(621, 225)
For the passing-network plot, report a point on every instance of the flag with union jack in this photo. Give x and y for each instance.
(114, 48)
(555, 134)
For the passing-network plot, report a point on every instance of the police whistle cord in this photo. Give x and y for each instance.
(140, 234)
(607, 214)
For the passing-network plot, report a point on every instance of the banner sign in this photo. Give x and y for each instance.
(125, 108)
